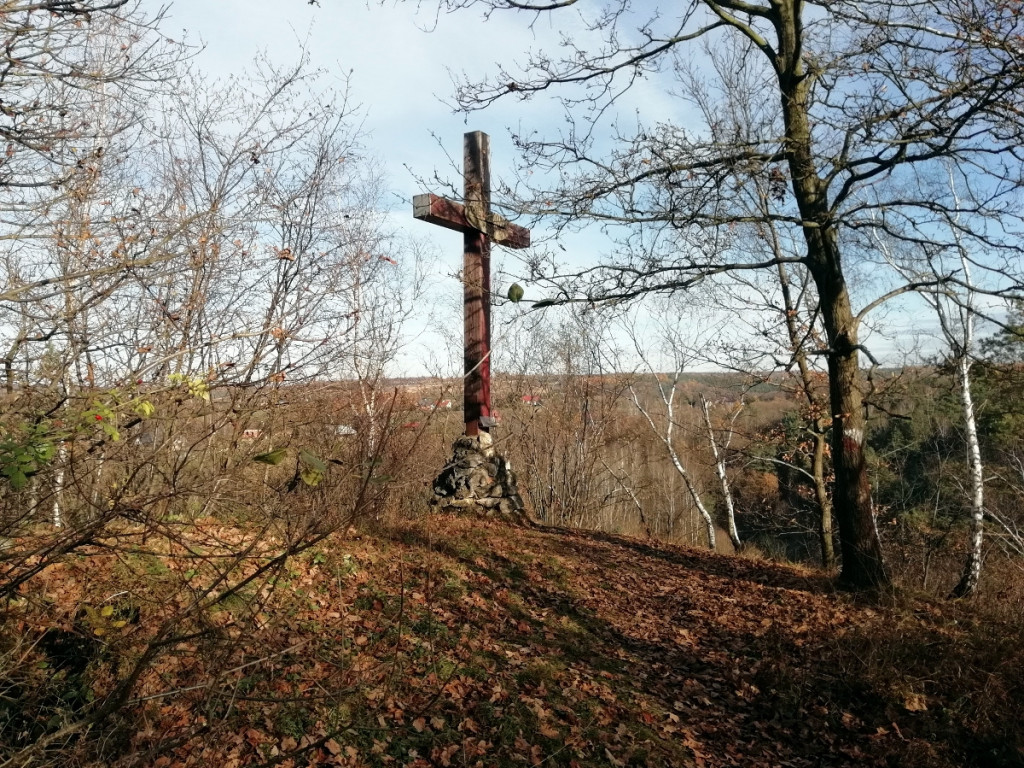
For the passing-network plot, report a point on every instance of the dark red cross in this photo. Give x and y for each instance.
(479, 227)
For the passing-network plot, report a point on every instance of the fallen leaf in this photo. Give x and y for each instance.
(915, 702)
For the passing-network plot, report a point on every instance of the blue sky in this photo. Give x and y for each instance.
(401, 63)
(399, 69)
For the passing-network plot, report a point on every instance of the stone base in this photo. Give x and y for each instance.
(478, 480)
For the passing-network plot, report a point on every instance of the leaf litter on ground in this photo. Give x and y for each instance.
(455, 642)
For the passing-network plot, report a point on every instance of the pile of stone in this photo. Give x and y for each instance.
(478, 480)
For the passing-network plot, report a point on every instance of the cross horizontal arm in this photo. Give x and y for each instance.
(451, 215)
(440, 211)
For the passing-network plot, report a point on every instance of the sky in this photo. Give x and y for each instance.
(400, 65)
(400, 62)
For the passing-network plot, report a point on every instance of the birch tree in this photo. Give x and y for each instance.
(956, 311)
(720, 467)
(661, 411)
(665, 430)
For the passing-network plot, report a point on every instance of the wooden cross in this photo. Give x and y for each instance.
(479, 227)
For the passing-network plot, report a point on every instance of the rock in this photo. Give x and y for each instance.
(478, 479)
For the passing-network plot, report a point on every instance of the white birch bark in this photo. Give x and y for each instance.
(723, 478)
(972, 567)
(665, 436)
(58, 487)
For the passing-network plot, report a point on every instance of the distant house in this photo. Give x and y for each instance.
(430, 404)
(533, 400)
(252, 434)
(156, 438)
(412, 425)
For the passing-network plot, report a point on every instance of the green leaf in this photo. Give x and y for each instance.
(16, 477)
(311, 477)
(312, 468)
(312, 461)
(273, 457)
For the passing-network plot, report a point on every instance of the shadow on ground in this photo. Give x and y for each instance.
(722, 660)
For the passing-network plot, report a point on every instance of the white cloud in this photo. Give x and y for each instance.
(400, 71)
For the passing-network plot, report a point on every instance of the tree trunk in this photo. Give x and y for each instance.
(972, 567)
(815, 423)
(709, 522)
(828, 552)
(668, 398)
(58, 487)
(863, 566)
(723, 478)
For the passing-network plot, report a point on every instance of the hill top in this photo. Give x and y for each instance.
(454, 642)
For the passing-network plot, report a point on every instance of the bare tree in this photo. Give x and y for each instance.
(170, 271)
(75, 80)
(666, 434)
(59, 57)
(237, 239)
(720, 467)
(660, 412)
(776, 310)
(560, 419)
(854, 100)
(955, 307)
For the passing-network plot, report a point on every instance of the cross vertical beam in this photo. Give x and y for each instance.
(479, 227)
(476, 284)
